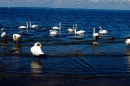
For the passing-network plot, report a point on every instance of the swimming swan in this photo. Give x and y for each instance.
(95, 35)
(101, 31)
(36, 49)
(80, 31)
(127, 42)
(3, 34)
(57, 28)
(23, 27)
(53, 32)
(17, 37)
(70, 29)
(33, 26)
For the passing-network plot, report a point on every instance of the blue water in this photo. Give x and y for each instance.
(65, 55)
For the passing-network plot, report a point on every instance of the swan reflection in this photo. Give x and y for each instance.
(36, 66)
(4, 44)
(128, 52)
(16, 49)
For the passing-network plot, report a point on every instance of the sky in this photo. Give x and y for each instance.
(87, 4)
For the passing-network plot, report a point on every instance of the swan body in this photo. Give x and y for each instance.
(33, 26)
(36, 49)
(53, 32)
(57, 28)
(80, 31)
(95, 35)
(17, 37)
(23, 27)
(127, 42)
(70, 29)
(3, 34)
(101, 31)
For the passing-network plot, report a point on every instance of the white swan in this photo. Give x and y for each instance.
(53, 32)
(70, 29)
(80, 31)
(3, 34)
(57, 28)
(127, 42)
(101, 31)
(17, 37)
(33, 26)
(36, 49)
(23, 27)
(95, 35)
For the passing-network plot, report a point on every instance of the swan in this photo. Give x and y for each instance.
(101, 31)
(95, 35)
(127, 42)
(23, 27)
(3, 34)
(33, 26)
(80, 31)
(57, 28)
(70, 29)
(36, 49)
(17, 37)
(53, 32)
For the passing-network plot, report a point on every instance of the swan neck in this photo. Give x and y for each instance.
(75, 28)
(27, 25)
(93, 30)
(30, 24)
(60, 25)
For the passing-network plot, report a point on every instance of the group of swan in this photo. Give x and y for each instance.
(36, 49)
(74, 29)
(27, 26)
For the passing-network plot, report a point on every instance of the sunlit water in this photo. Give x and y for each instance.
(66, 54)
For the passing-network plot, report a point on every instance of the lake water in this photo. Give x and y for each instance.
(65, 54)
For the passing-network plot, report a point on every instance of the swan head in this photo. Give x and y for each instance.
(3, 29)
(38, 44)
(26, 22)
(50, 30)
(100, 27)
